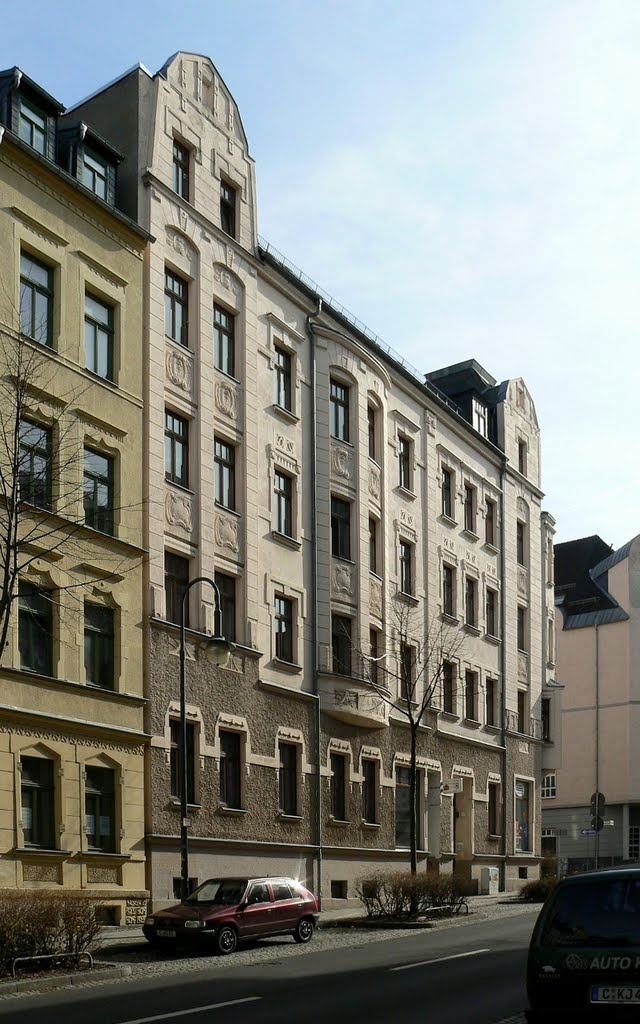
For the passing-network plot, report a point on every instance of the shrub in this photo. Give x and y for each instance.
(403, 895)
(38, 921)
(538, 890)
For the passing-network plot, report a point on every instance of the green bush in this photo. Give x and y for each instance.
(403, 895)
(38, 921)
(538, 890)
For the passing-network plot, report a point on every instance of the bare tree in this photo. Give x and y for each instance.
(46, 498)
(406, 672)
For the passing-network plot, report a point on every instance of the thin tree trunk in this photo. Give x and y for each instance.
(413, 831)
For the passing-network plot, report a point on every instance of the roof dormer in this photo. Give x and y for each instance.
(29, 112)
(89, 158)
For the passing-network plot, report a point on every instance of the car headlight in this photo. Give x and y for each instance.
(150, 920)
(194, 924)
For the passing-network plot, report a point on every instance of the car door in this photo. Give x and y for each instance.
(286, 906)
(257, 917)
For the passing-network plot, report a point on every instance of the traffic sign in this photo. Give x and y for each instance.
(587, 831)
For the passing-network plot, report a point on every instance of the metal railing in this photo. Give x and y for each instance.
(532, 727)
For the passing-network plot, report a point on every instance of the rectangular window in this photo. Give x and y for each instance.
(470, 602)
(522, 712)
(98, 491)
(447, 493)
(181, 160)
(176, 448)
(480, 417)
(470, 694)
(176, 308)
(341, 644)
(35, 629)
(98, 337)
(37, 800)
(491, 612)
(548, 790)
(404, 463)
(228, 209)
(522, 629)
(99, 646)
(227, 589)
(374, 674)
(230, 775)
(225, 474)
(546, 719)
(338, 786)
(522, 457)
(36, 300)
(371, 426)
(223, 341)
(407, 665)
(340, 528)
(490, 701)
(469, 508)
(449, 696)
(94, 174)
(403, 808)
(406, 568)
(373, 545)
(283, 503)
(551, 636)
(32, 126)
(339, 410)
(520, 543)
(448, 590)
(523, 810)
(283, 392)
(288, 778)
(284, 628)
(369, 791)
(34, 464)
(490, 522)
(634, 842)
(176, 581)
(176, 760)
(99, 806)
(494, 809)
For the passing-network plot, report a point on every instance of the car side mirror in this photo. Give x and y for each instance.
(242, 906)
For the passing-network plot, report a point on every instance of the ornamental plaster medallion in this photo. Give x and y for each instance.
(342, 582)
(375, 598)
(341, 462)
(226, 533)
(179, 370)
(179, 511)
(286, 445)
(407, 518)
(180, 245)
(345, 698)
(226, 399)
(226, 280)
(522, 581)
(374, 482)
(523, 668)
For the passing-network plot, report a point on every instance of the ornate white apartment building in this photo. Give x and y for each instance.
(323, 484)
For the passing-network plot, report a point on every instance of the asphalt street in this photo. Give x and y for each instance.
(468, 975)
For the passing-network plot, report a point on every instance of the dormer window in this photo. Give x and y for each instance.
(32, 126)
(89, 158)
(94, 173)
(480, 417)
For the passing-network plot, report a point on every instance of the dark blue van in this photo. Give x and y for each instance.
(584, 955)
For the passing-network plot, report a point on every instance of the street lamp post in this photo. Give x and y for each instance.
(217, 651)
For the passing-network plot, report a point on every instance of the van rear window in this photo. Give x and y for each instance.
(597, 913)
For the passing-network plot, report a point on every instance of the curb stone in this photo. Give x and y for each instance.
(110, 973)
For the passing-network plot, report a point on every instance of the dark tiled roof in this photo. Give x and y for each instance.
(581, 586)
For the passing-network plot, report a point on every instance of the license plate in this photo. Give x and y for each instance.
(165, 933)
(615, 994)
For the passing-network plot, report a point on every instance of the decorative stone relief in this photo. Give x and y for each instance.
(448, 544)
(523, 747)
(407, 518)
(136, 911)
(40, 872)
(70, 737)
(491, 570)
(286, 445)
(432, 424)
(523, 668)
(375, 597)
(341, 461)
(470, 558)
(523, 581)
(179, 243)
(345, 698)
(235, 664)
(226, 280)
(226, 399)
(342, 581)
(179, 510)
(179, 369)
(104, 873)
(374, 482)
(226, 533)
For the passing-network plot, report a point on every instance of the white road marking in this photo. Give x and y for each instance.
(423, 963)
(194, 1009)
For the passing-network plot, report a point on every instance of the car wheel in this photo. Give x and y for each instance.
(304, 930)
(226, 940)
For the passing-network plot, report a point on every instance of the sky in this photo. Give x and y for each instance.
(462, 175)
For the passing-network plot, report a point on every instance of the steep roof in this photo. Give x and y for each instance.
(581, 583)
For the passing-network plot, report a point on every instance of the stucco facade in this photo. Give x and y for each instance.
(300, 418)
(70, 744)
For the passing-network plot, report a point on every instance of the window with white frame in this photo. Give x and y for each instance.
(548, 786)
(634, 842)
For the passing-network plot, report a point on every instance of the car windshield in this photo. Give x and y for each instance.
(226, 891)
(595, 913)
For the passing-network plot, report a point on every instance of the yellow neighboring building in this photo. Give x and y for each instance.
(72, 738)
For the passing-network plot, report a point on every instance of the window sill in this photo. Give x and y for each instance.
(338, 821)
(491, 639)
(175, 802)
(178, 344)
(406, 493)
(473, 723)
(447, 520)
(551, 664)
(285, 540)
(470, 628)
(40, 851)
(453, 620)
(288, 817)
(104, 854)
(494, 835)
(491, 547)
(471, 534)
(98, 377)
(370, 824)
(408, 598)
(341, 440)
(525, 653)
(451, 716)
(179, 486)
(286, 666)
(285, 414)
(492, 728)
(225, 508)
(342, 558)
(232, 812)
(227, 376)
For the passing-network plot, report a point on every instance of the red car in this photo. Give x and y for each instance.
(224, 911)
